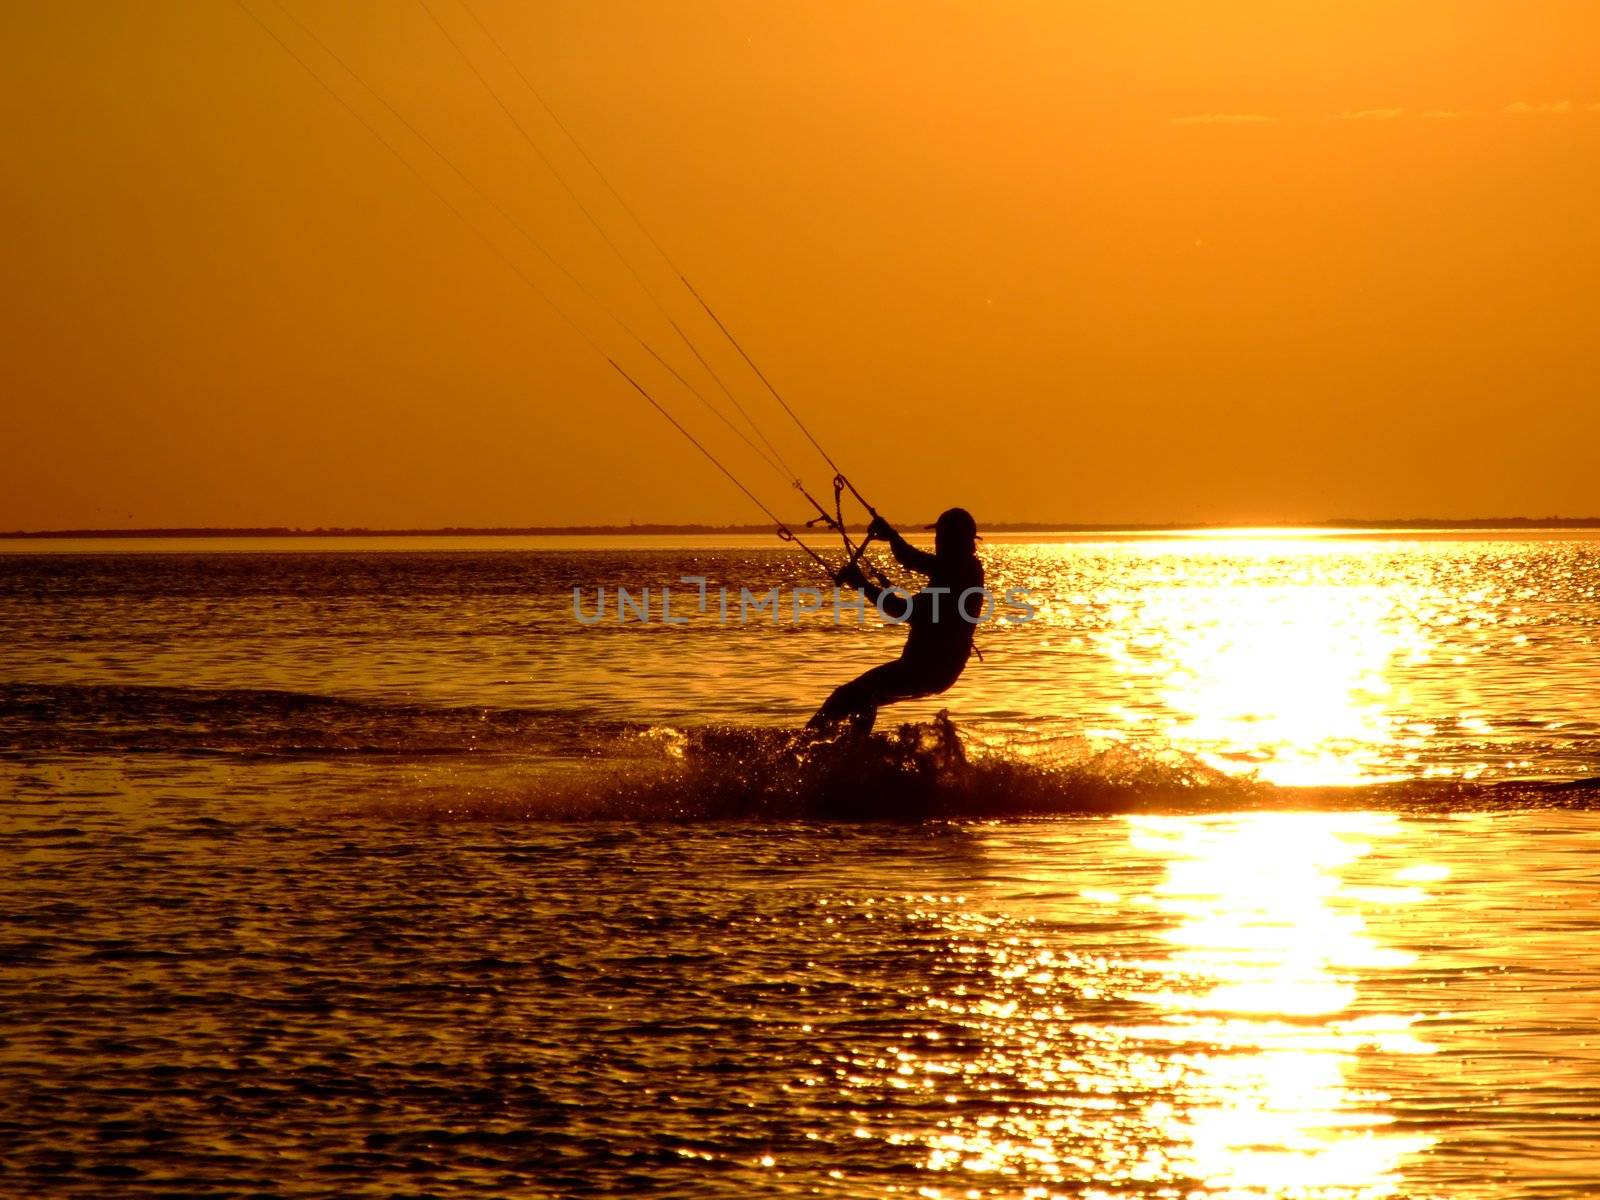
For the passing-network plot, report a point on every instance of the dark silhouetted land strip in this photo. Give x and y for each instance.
(1401, 524)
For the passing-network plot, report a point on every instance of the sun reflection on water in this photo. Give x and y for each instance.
(1222, 1068)
(1267, 954)
(1281, 672)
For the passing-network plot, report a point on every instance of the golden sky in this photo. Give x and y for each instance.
(1251, 260)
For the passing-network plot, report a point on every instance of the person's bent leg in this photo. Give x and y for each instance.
(858, 700)
(850, 701)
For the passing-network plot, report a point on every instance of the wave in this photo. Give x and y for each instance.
(923, 772)
(255, 722)
(561, 765)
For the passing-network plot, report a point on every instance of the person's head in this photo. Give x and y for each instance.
(955, 534)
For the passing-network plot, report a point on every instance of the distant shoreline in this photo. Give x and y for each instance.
(1399, 524)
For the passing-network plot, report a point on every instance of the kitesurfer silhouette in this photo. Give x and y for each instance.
(941, 622)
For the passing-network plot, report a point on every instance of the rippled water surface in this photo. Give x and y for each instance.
(1302, 660)
(1270, 1004)
(278, 918)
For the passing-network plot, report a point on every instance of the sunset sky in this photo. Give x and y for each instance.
(1242, 261)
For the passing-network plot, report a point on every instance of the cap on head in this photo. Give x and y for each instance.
(956, 522)
(955, 532)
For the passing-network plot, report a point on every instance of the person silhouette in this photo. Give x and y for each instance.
(939, 640)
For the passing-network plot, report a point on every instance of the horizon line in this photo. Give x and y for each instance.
(666, 529)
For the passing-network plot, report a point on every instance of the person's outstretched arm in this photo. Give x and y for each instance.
(907, 555)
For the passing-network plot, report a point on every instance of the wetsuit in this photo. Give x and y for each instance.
(937, 646)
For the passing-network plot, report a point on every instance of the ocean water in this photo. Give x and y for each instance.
(1250, 867)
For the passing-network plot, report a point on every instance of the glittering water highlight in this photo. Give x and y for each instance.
(372, 874)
